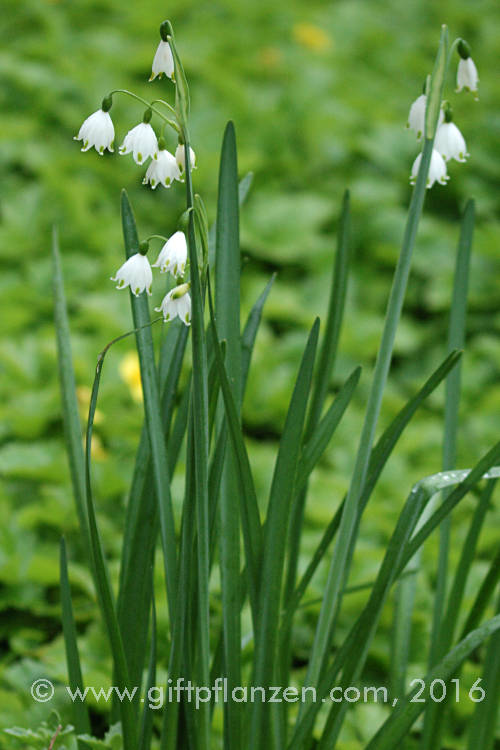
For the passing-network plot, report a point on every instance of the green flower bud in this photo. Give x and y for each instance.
(448, 112)
(165, 30)
(107, 103)
(143, 247)
(148, 114)
(162, 144)
(463, 49)
(184, 220)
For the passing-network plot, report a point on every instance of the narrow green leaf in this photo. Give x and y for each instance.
(378, 460)
(433, 719)
(349, 523)
(456, 595)
(103, 585)
(276, 527)
(152, 411)
(199, 415)
(321, 436)
(406, 588)
(399, 723)
(227, 310)
(243, 190)
(483, 596)
(326, 362)
(250, 332)
(248, 508)
(146, 730)
(71, 418)
(352, 654)
(336, 306)
(80, 711)
(468, 479)
(482, 728)
(353, 651)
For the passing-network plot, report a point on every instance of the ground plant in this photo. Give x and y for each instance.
(208, 618)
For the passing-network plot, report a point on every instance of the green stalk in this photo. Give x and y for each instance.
(338, 571)
(79, 708)
(433, 718)
(199, 409)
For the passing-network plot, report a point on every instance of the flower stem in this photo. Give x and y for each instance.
(340, 560)
(172, 124)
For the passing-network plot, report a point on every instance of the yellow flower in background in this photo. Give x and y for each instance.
(131, 374)
(97, 451)
(311, 36)
(83, 394)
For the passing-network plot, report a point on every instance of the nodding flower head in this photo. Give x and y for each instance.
(163, 62)
(173, 255)
(416, 116)
(135, 273)
(141, 141)
(467, 77)
(163, 169)
(177, 303)
(449, 140)
(98, 130)
(180, 158)
(437, 170)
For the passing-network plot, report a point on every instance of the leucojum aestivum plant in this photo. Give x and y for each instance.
(230, 681)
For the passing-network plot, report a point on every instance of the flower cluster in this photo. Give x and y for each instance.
(137, 274)
(449, 142)
(141, 141)
(164, 169)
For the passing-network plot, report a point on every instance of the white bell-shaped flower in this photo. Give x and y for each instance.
(141, 141)
(450, 142)
(416, 116)
(163, 62)
(136, 273)
(467, 77)
(173, 255)
(97, 130)
(163, 169)
(180, 158)
(437, 169)
(177, 303)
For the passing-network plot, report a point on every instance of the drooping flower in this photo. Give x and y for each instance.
(141, 141)
(176, 303)
(450, 142)
(98, 130)
(173, 255)
(437, 169)
(416, 116)
(467, 77)
(163, 62)
(135, 272)
(163, 168)
(180, 158)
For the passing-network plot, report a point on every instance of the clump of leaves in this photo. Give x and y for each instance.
(45, 736)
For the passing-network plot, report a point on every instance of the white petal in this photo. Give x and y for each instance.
(163, 61)
(135, 272)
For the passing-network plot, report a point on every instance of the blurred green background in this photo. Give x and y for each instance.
(319, 93)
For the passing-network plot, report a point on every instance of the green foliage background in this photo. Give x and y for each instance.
(319, 92)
